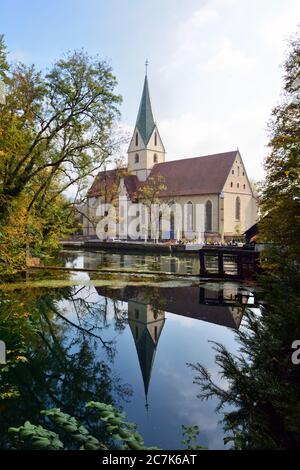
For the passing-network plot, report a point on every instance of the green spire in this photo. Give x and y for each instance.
(146, 352)
(145, 121)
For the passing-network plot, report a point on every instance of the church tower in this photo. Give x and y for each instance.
(146, 147)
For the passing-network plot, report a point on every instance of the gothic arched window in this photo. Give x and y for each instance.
(155, 158)
(155, 138)
(208, 216)
(190, 216)
(136, 158)
(237, 208)
(136, 139)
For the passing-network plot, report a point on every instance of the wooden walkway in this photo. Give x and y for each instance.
(228, 263)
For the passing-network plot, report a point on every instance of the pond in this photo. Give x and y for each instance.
(124, 340)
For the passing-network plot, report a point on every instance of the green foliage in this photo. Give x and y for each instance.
(3, 61)
(55, 131)
(119, 430)
(71, 426)
(38, 437)
(263, 383)
(150, 192)
(263, 390)
(190, 434)
(280, 194)
(123, 435)
(51, 361)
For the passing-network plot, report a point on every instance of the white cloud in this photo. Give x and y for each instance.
(216, 88)
(192, 135)
(223, 78)
(190, 39)
(275, 29)
(229, 58)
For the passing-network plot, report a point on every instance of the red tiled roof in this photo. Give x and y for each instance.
(185, 177)
(108, 182)
(103, 182)
(193, 176)
(182, 301)
(132, 184)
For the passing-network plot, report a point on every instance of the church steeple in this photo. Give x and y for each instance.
(146, 147)
(145, 121)
(146, 324)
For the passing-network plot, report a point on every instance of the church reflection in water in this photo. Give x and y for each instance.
(146, 323)
(147, 306)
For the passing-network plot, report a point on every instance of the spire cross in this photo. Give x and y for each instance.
(146, 65)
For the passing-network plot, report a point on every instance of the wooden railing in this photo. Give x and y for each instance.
(228, 263)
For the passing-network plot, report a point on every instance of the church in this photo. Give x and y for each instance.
(218, 183)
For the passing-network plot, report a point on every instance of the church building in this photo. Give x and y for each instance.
(218, 182)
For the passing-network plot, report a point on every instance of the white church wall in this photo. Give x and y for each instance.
(247, 213)
(201, 199)
(238, 185)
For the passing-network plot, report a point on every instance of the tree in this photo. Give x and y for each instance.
(61, 122)
(149, 194)
(52, 360)
(263, 382)
(280, 195)
(261, 403)
(3, 70)
(56, 130)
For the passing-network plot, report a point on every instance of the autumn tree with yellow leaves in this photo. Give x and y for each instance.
(56, 130)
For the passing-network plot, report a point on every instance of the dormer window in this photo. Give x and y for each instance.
(155, 158)
(136, 158)
(136, 139)
(155, 138)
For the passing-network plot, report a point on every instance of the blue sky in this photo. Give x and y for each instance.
(214, 64)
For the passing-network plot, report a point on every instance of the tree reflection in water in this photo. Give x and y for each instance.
(52, 359)
(264, 383)
(61, 346)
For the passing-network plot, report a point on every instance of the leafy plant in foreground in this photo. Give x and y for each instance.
(123, 434)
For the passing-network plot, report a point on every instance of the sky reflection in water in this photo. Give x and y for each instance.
(166, 329)
(154, 327)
